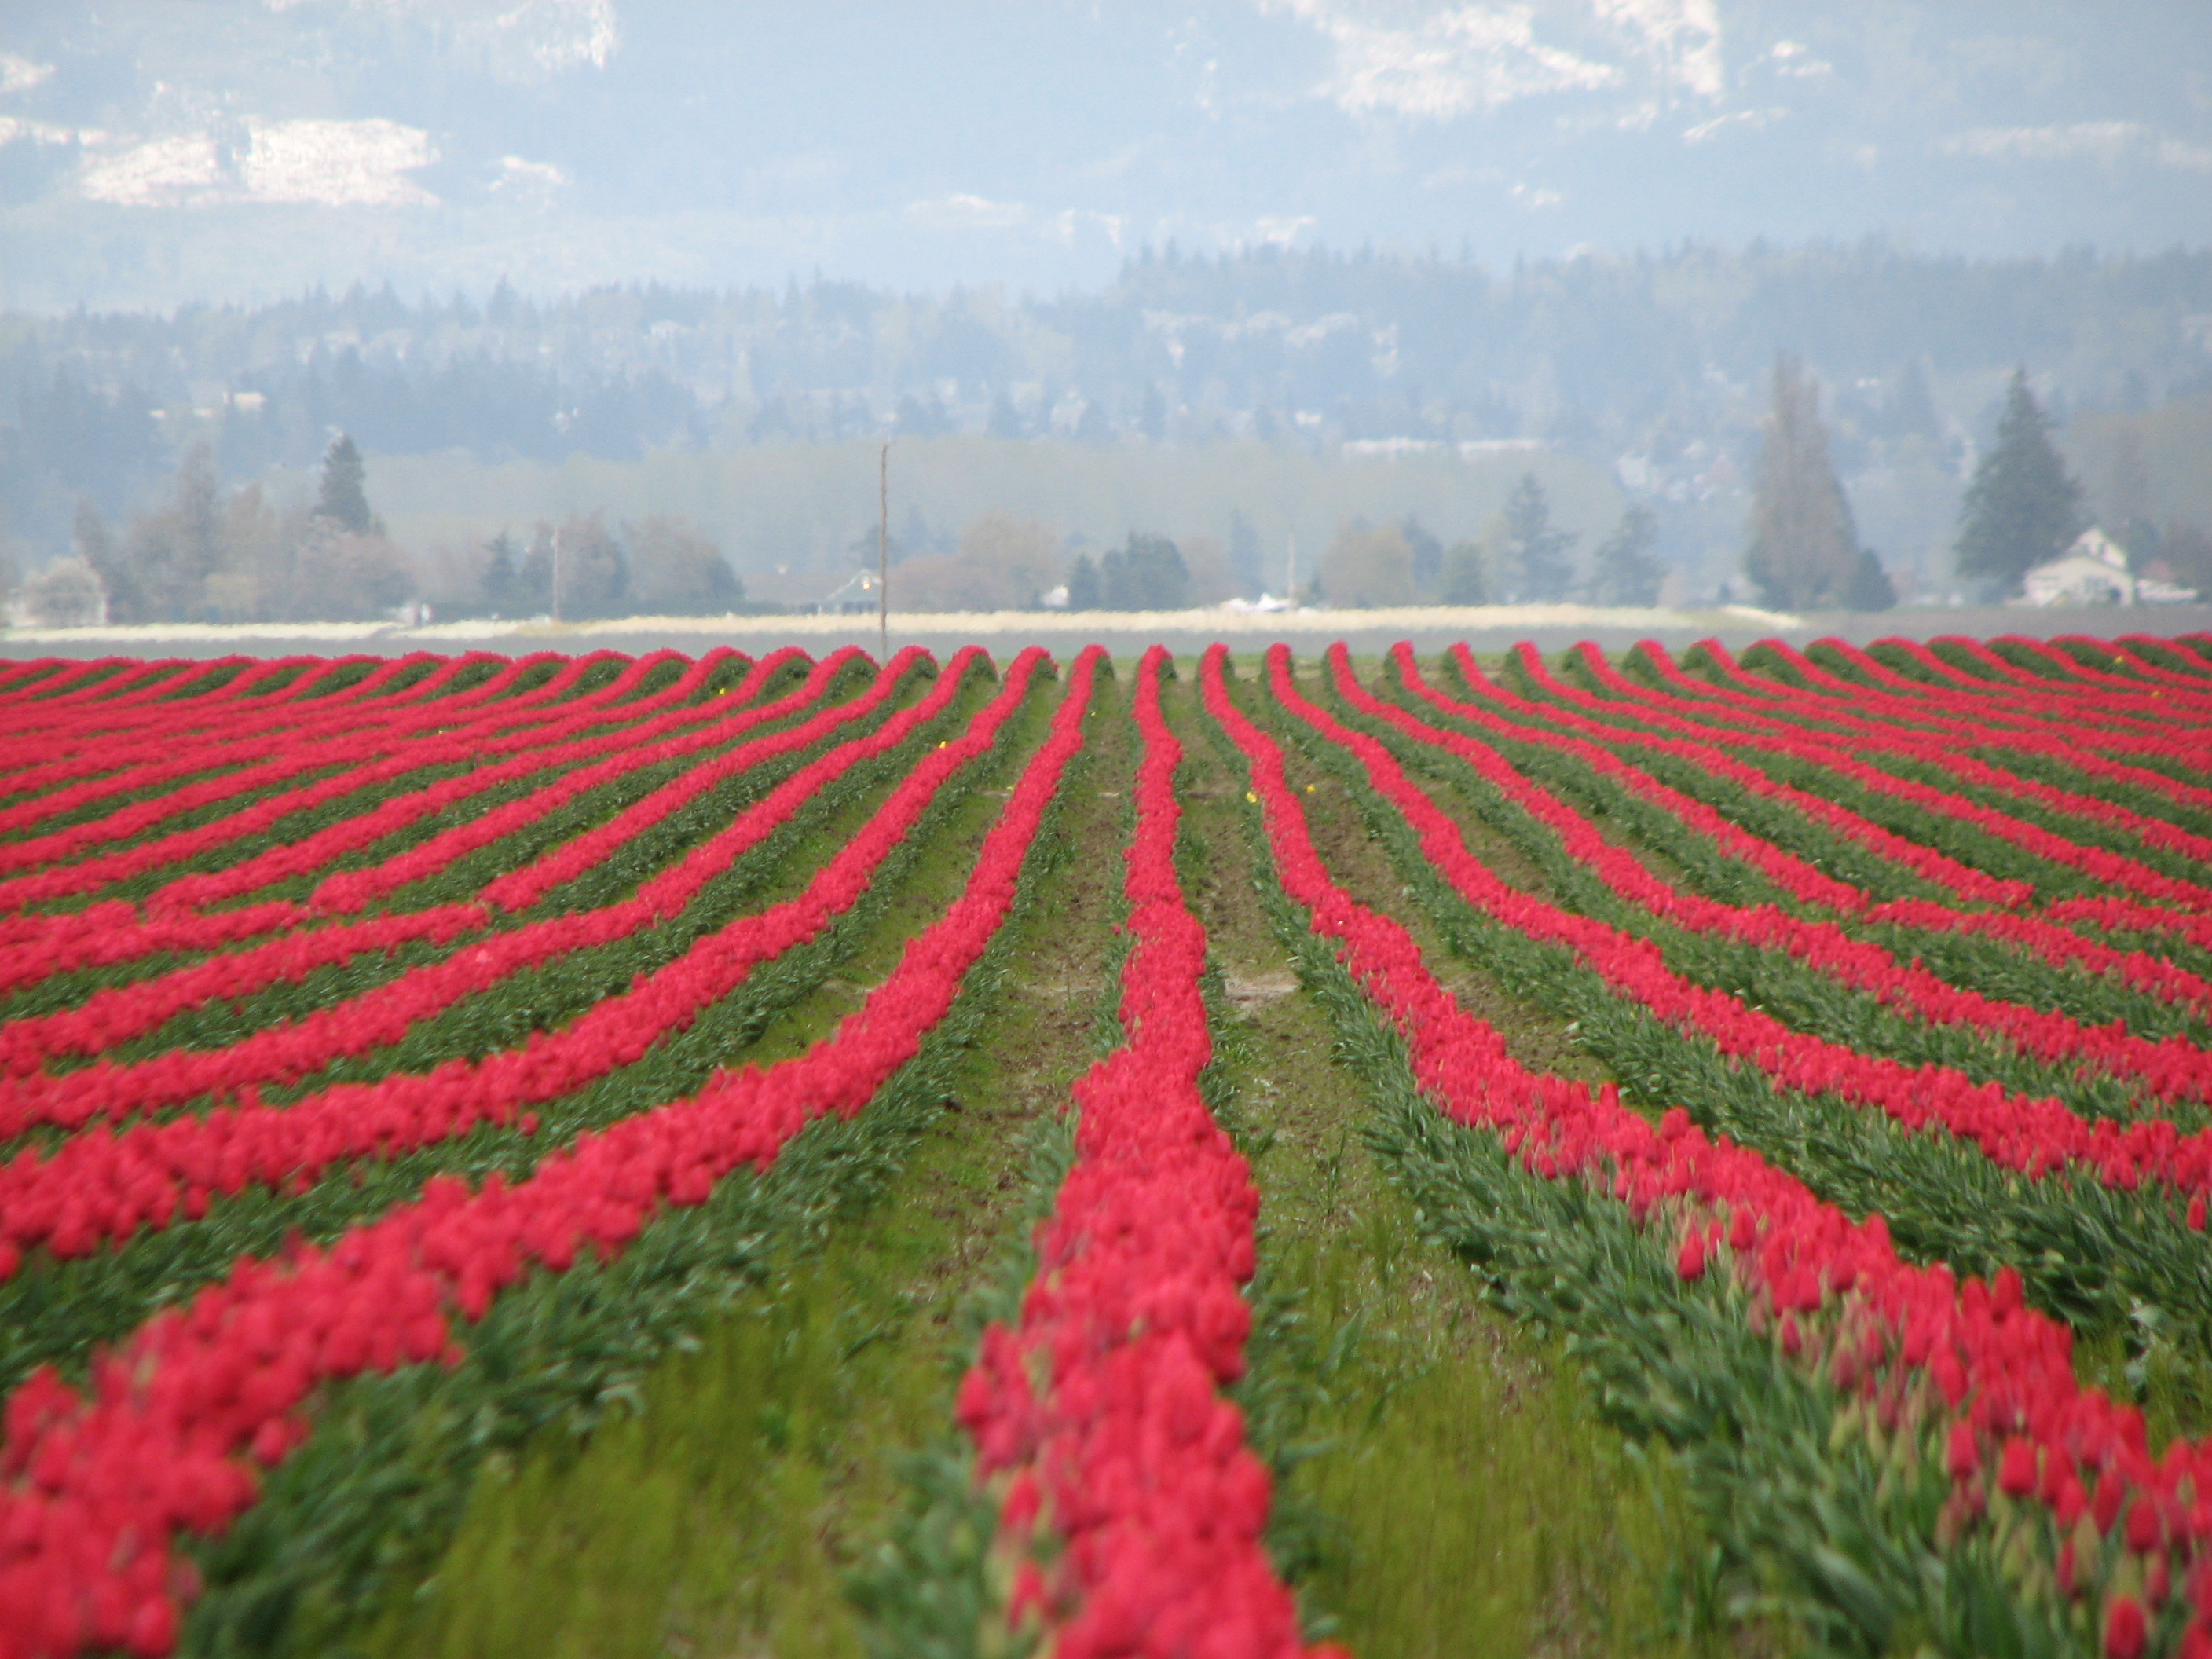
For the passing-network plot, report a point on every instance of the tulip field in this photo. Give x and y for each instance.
(1221, 1156)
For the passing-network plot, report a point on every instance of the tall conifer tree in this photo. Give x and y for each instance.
(2021, 508)
(342, 500)
(1803, 551)
(1539, 550)
(1624, 570)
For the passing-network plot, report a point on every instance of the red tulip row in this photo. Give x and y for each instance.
(1939, 713)
(66, 687)
(2104, 910)
(367, 759)
(2175, 1069)
(2058, 674)
(1515, 718)
(285, 1053)
(2012, 761)
(101, 1185)
(1130, 1505)
(2053, 673)
(2145, 659)
(267, 691)
(264, 785)
(117, 1014)
(2030, 714)
(1962, 881)
(629, 749)
(1598, 720)
(110, 757)
(2032, 1135)
(1901, 729)
(123, 746)
(1976, 727)
(1803, 882)
(1778, 737)
(112, 932)
(1967, 1367)
(2101, 911)
(518, 890)
(35, 730)
(1979, 704)
(45, 691)
(2136, 720)
(98, 1485)
(581, 733)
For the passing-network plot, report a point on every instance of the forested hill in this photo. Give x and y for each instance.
(1645, 356)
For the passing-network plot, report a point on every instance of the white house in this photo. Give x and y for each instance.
(2095, 571)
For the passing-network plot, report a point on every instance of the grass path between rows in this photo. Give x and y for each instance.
(1450, 1490)
(720, 1515)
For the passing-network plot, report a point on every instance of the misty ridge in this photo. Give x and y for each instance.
(1388, 414)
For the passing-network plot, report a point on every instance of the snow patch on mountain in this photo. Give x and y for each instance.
(1444, 64)
(1680, 38)
(2106, 142)
(335, 163)
(519, 40)
(1437, 63)
(21, 74)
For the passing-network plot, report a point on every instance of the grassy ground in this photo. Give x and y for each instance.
(720, 1517)
(1450, 1491)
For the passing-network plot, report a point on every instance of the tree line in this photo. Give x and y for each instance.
(202, 552)
(1597, 355)
(2021, 508)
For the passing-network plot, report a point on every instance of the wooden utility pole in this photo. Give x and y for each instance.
(884, 552)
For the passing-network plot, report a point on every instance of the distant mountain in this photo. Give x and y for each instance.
(155, 151)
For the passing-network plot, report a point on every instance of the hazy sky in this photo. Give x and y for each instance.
(157, 149)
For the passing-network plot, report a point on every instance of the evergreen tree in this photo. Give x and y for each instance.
(93, 542)
(1427, 551)
(2124, 507)
(1083, 584)
(533, 592)
(1803, 552)
(594, 569)
(1539, 550)
(1465, 581)
(1147, 575)
(1870, 587)
(1369, 567)
(1623, 571)
(160, 571)
(502, 577)
(2021, 508)
(674, 571)
(1912, 408)
(342, 500)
